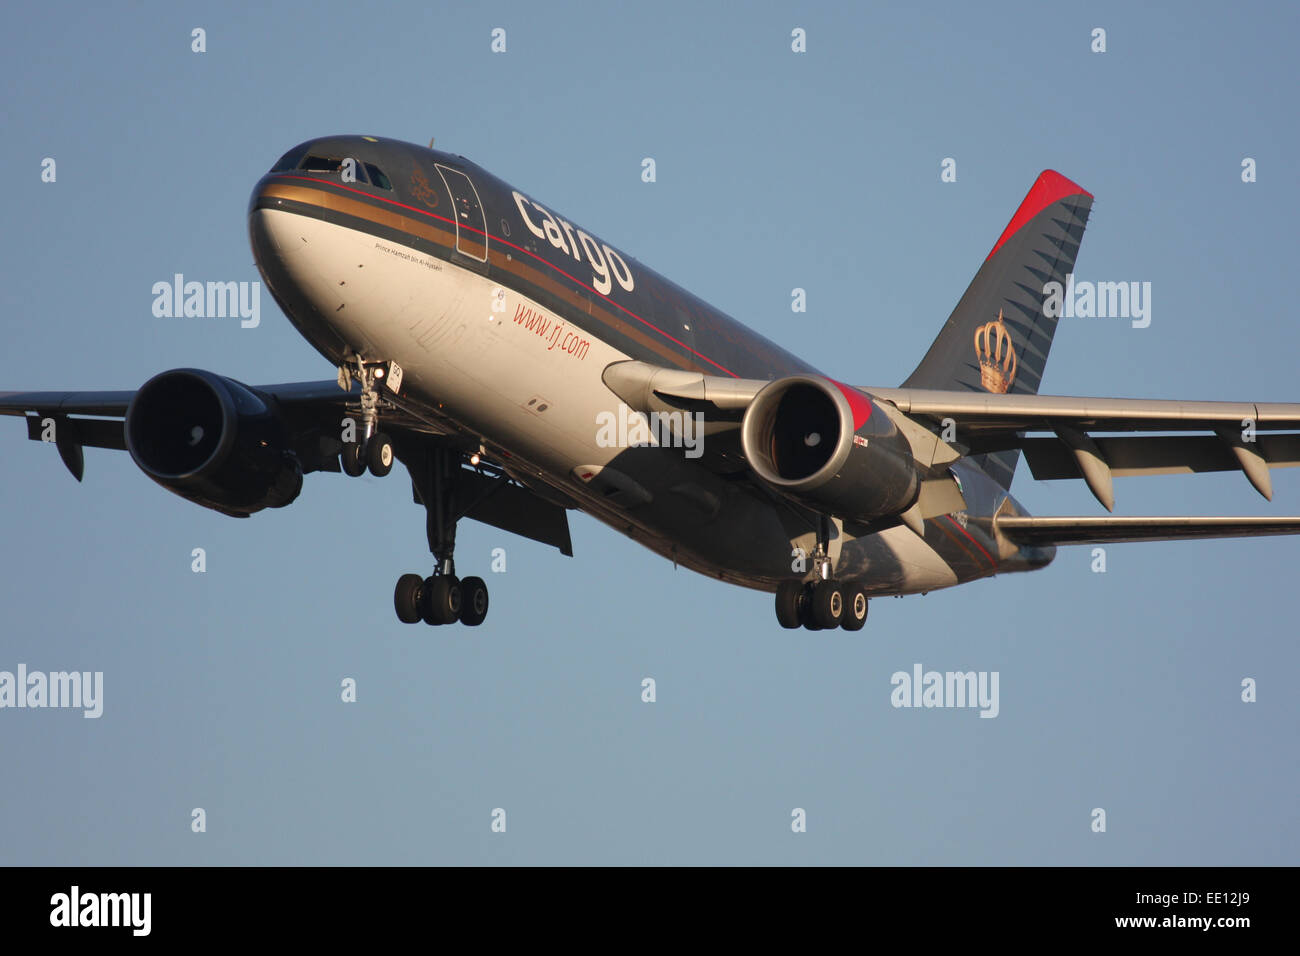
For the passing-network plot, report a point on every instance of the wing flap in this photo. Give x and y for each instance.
(1050, 459)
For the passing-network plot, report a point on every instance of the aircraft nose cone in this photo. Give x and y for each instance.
(262, 232)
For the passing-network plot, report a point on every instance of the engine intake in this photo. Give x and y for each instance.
(212, 440)
(829, 448)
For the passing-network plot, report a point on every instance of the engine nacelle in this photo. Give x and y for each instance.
(212, 440)
(830, 448)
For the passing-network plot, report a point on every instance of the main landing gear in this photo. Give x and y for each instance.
(822, 603)
(441, 598)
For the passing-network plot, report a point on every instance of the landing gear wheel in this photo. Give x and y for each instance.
(351, 461)
(379, 454)
(406, 598)
(827, 604)
(440, 602)
(789, 595)
(473, 601)
(806, 618)
(855, 609)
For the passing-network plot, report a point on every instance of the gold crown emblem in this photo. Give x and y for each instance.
(997, 356)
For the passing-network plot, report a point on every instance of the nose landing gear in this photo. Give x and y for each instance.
(374, 453)
(371, 449)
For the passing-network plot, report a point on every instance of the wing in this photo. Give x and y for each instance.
(1058, 434)
(1108, 529)
(77, 419)
(311, 413)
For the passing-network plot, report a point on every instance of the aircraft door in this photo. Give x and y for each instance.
(471, 226)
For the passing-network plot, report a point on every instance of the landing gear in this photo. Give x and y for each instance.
(441, 598)
(371, 448)
(823, 603)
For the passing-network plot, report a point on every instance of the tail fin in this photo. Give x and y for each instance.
(997, 339)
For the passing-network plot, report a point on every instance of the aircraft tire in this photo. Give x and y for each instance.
(440, 600)
(473, 601)
(350, 460)
(852, 608)
(788, 598)
(827, 604)
(406, 598)
(379, 455)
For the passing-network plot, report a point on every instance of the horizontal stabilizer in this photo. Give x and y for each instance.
(1035, 531)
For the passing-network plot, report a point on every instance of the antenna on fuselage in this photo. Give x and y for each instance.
(431, 142)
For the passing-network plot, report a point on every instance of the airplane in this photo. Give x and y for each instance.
(519, 367)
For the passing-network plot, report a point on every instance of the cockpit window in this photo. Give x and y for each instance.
(377, 176)
(321, 164)
(289, 160)
(299, 159)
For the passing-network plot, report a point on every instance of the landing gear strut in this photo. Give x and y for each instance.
(441, 598)
(823, 603)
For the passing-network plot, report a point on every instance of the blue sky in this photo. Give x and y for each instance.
(775, 170)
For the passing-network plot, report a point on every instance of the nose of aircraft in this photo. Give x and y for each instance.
(258, 195)
(259, 236)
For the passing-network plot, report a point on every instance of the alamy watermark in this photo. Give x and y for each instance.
(1100, 300)
(922, 688)
(627, 428)
(36, 689)
(208, 300)
(129, 910)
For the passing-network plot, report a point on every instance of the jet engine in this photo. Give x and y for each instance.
(828, 447)
(212, 440)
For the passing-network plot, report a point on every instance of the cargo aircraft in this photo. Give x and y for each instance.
(487, 342)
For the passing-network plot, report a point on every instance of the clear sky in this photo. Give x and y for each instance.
(775, 170)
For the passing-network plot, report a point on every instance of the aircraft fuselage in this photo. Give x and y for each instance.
(504, 315)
